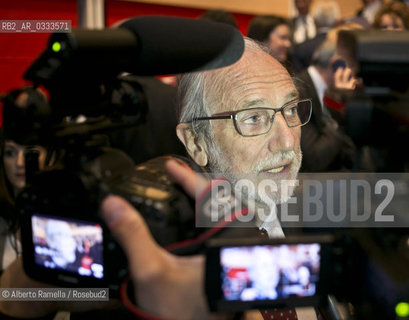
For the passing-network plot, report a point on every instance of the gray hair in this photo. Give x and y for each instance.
(194, 101)
(199, 92)
(323, 54)
(326, 13)
(191, 101)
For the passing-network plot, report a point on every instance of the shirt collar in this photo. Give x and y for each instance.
(319, 83)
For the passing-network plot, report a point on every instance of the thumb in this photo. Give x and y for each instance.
(130, 230)
(190, 181)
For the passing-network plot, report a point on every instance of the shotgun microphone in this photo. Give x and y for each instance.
(150, 45)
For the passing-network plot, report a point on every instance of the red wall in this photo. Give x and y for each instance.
(18, 51)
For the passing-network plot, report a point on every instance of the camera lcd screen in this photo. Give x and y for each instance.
(269, 272)
(72, 246)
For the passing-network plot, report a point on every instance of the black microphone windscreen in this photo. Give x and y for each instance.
(150, 45)
(169, 45)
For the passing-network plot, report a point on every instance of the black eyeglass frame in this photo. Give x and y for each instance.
(233, 115)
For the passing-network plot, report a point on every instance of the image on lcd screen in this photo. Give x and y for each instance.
(72, 246)
(267, 272)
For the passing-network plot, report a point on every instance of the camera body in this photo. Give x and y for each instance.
(65, 241)
(365, 270)
(243, 274)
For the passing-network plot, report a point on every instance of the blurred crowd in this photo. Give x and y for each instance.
(307, 45)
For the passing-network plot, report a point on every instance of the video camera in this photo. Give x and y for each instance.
(377, 115)
(350, 274)
(358, 266)
(87, 74)
(347, 272)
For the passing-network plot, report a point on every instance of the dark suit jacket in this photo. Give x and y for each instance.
(325, 147)
(302, 53)
(293, 25)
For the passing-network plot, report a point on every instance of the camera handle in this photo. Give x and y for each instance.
(337, 310)
(31, 165)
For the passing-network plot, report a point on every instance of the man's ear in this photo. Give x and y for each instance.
(196, 147)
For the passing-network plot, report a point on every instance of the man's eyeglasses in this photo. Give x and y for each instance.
(257, 121)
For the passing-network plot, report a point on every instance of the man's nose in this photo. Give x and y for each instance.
(281, 136)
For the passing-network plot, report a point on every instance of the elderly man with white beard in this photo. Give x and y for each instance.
(244, 119)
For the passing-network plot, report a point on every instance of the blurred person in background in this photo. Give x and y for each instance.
(273, 32)
(393, 15)
(369, 9)
(344, 48)
(325, 145)
(220, 15)
(17, 141)
(326, 15)
(303, 24)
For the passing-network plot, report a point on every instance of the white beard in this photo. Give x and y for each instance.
(220, 166)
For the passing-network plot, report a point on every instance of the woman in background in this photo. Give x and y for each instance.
(17, 140)
(393, 15)
(274, 32)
